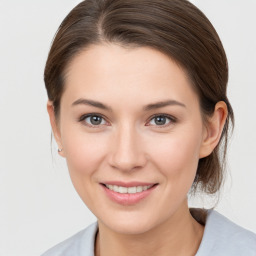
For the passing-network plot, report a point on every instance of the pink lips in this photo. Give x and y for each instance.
(128, 184)
(126, 198)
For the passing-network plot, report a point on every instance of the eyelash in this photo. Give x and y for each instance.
(172, 119)
(83, 117)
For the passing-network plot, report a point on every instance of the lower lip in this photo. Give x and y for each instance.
(128, 199)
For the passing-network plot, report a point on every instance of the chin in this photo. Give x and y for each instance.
(135, 228)
(130, 223)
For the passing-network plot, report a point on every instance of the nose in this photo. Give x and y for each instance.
(127, 150)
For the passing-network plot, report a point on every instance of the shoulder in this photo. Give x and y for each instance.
(223, 237)
(80, 244)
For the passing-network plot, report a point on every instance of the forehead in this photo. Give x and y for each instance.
(141, 73)
(110, 58)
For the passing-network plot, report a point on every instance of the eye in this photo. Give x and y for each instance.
(93, 120)
(161, 120)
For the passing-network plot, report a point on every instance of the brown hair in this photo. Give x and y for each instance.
(175, 27)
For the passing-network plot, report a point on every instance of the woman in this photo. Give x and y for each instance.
(138, 107)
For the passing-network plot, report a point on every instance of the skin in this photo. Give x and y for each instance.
(129, 145)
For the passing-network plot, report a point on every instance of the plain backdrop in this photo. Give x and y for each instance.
(38, 204)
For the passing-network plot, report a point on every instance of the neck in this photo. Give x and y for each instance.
(180, 235)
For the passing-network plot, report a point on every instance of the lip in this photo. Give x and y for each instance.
(128, 184)
(128, 199)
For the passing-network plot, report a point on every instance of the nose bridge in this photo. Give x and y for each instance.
(127, 152)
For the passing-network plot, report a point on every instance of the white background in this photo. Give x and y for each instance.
(38, 205)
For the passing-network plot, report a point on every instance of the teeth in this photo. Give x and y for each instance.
(132, 190)
(129, 190)
(115, 188)
(122, 190)
(139, 189)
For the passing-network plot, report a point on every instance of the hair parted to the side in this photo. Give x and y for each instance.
(175, 27)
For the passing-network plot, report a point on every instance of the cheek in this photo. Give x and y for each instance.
(177, 156)
(84, 153)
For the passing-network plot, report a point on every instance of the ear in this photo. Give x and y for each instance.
(213, 129)
(55, 127)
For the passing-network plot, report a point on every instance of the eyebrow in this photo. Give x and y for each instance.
(148, 107)
(162, 104)
(91, 103)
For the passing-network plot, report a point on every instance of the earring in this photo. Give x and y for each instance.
(59, 150)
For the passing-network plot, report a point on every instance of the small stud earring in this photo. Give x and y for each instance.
(59, 150)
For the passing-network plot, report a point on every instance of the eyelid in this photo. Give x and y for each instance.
(83, 117)
(173, 120)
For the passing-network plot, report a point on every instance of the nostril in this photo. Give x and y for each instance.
(127, 162)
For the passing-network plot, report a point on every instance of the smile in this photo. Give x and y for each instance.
(128, 190)
(128, 193)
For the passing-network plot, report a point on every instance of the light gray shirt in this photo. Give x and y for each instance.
(221, 238)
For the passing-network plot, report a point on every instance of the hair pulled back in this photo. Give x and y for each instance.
(176, 28)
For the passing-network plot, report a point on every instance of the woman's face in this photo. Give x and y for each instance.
(130, 122)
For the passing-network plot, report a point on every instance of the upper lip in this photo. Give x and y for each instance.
(128, 184)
